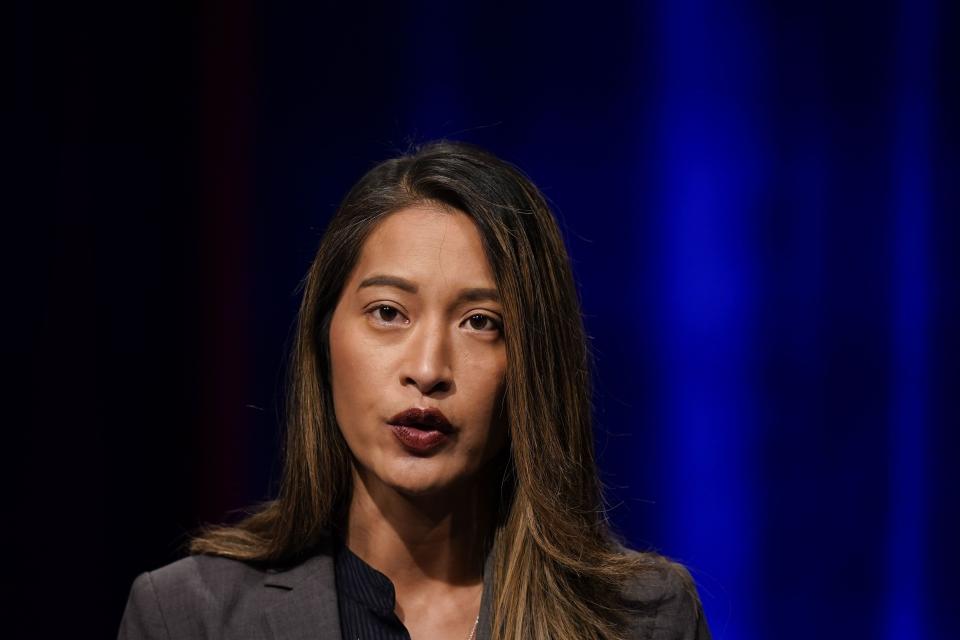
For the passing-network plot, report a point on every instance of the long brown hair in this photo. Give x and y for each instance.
(558, 571)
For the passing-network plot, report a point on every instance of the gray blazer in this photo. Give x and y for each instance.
(210, 597)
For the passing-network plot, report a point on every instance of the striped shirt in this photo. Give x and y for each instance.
(365, 599)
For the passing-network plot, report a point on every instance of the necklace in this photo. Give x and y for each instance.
(473, 631)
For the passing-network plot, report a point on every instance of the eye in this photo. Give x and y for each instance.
(481, 322)
(384, 313)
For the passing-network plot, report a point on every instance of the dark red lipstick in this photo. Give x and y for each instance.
(421, 429)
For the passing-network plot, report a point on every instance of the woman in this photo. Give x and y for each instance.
(439, 477)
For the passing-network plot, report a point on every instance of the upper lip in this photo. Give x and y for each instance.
(425, 416)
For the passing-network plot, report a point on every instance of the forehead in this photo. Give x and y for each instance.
(427, 244)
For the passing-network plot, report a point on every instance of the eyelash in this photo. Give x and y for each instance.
(496, 324)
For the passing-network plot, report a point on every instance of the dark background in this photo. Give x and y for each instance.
(760, 199)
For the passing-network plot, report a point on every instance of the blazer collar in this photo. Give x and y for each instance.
(483, 623)
(308, 611)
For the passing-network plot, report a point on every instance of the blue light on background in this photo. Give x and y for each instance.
(760, 201)
(906, 600)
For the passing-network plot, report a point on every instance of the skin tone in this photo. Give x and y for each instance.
(419, 324)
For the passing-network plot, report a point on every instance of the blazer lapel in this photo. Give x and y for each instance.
(486, 600)
(308, 608)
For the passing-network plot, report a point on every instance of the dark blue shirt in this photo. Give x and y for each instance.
(366, 599)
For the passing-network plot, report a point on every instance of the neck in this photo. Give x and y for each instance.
(421, 539)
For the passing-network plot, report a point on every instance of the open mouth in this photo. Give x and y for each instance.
(421, 429)
(423, 418)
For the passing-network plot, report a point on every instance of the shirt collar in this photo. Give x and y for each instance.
(362, 583)
(365, 585)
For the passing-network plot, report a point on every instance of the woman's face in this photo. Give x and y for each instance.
(418, 326)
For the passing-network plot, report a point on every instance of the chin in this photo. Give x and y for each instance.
(418, 480)
(419, 490)
(421, 487)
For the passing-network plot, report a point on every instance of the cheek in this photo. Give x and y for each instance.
(488, 390)
(354, 377)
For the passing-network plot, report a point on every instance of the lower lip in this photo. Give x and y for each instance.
(417, 439)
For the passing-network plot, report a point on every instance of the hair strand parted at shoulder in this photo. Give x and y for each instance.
(558, 570)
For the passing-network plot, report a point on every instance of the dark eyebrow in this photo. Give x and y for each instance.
(388, 281)
(475, 294)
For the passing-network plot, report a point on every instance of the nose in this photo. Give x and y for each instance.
(426, 362)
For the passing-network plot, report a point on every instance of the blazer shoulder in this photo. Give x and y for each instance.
(188, 597)
(207, 576)
(665, 600)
